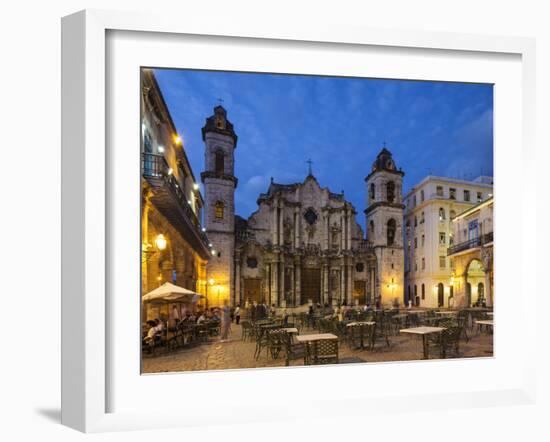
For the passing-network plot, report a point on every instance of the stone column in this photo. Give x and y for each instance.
(297, 283)
(282, 287)
(325, 287)
(327, 233)
(292, 287)
(296, 227)
(350, 282)
(274, 281)
(274, 224)
(281, 225)
(342, 232)
(238, 297)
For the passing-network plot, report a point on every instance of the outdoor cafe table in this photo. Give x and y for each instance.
(362, 325)
(423, 331)
(488, 323)
(446, 313)
(315, 337)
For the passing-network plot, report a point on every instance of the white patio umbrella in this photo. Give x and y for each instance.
(169, 292)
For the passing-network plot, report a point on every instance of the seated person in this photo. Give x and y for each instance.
(149, 339)
(202, 318)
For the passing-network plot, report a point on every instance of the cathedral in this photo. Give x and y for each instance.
(303, 244)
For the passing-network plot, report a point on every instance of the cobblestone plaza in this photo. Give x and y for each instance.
(237, 354)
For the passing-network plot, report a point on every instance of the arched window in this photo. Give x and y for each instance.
(371, 227)
(372, 191)
(441, 214)
(391, 231)
(220, 159)
(219, 208)
(423, 291)
(422, 195)
(415, 221)
(390, 191)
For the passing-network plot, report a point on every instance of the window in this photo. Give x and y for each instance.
(392, 227)
(372, 191)
(479, 197)
(466, 195)
(442, 239)
(415, 291)
(220, 162)
(422, 195)
(252, 262)
(451, 240)
(422, 218)
(359, 267)
(219, 208)
(390, 191)
(441, 214)
(452, 214)
(415, 221)
(371, 227)
(452, 193)
(423, 291)
(442, 262)
(423, 240)
(408, 230)
(414, 200)
(415, 243)
(310, 216)
(415, 265)
(423, 263)
(439, 192)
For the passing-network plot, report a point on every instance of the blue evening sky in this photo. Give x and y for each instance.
(340, 123)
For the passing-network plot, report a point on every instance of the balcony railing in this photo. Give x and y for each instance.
(155, 167)
(470, 244)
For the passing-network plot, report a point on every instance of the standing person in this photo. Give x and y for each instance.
(237, 314)
(226, 321)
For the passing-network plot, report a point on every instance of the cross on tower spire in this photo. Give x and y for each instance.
(309, 162)
(220, 100)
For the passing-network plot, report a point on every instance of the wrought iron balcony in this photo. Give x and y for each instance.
(471, 243)
(170, 200)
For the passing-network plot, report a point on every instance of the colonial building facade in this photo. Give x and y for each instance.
(472, 256)
(303, 243)
(174, 247)
(431, 207)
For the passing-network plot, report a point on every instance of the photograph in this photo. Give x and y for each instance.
(301, 220)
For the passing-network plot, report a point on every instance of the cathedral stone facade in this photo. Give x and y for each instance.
(303, 244)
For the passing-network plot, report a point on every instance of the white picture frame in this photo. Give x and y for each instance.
(86, 356)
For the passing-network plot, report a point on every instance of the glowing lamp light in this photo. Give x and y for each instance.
(204, 229)
(211, 281)
(170, 171)
(189, 202)
(160, 242)
(209, 244)
(177, 140)
(213, 252)
(159, 277)
(195, 186)
(161, 149)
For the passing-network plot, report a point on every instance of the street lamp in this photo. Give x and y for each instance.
(160, 242)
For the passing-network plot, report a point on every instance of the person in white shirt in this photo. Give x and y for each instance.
(237, 314)
(202, 318)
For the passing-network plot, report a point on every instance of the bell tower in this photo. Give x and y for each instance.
(220, 182)
(384, 216)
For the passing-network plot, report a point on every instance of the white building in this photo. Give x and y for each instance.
(429, 208)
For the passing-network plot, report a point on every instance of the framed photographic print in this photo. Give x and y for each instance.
(278, 209)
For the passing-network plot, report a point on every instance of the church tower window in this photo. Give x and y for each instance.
(391, 231)
(372, 191)
(220, 159)
(219, 209)
(390, 191)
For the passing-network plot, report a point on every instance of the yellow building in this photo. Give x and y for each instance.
(173, 242)
(471, 256)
